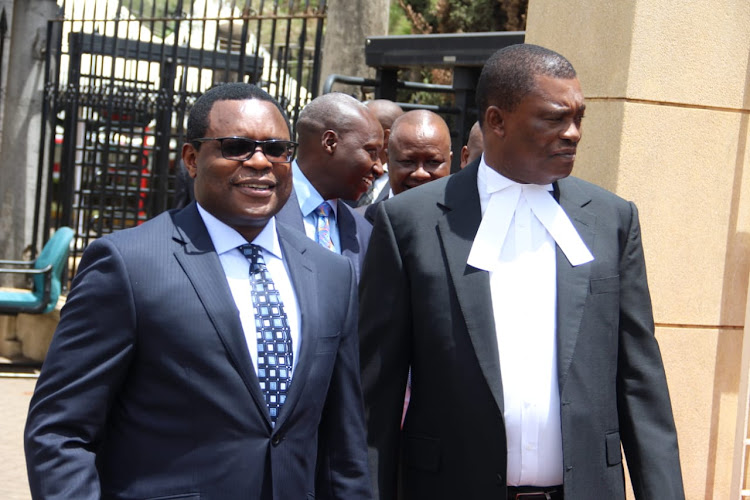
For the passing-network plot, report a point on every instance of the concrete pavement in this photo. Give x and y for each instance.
(15, 393)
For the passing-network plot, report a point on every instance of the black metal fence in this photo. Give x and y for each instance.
(120, 82)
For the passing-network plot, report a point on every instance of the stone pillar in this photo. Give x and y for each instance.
(19, 153)
(667, 85)
(348, 25)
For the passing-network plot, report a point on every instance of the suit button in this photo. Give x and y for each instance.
(276, 440)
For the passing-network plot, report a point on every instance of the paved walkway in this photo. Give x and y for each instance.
(15, 394)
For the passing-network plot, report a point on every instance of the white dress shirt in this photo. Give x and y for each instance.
(380, 183)
(523, 286)
(309, 199)
(237, 271)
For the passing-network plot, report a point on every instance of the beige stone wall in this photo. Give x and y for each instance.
(668, 106)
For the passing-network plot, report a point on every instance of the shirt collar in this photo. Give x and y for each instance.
(226, 239)
(500, 203)
(491, 181)
(307, 196)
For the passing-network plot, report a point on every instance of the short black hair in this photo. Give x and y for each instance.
(509, 74)
(237, 91)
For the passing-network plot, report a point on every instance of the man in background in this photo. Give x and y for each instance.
(419, 151)
(337, 159)
(473, 147)
(386, 111)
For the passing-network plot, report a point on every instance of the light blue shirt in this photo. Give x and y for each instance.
(237, 271)
(309, 199)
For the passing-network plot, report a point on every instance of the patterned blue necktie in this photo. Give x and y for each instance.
(273, 334)
(323, 225)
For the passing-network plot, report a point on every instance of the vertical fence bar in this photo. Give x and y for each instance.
(315, 79)
(42, 133)
(51, 101)
(67, 164)
(243, 46)
(257, 69)
(283, 64)
(163, 134)
(3, 32)
(301, 61)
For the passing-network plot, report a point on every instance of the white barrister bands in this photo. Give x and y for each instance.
(490, 237)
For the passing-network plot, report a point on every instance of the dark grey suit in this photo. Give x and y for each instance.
(440, 323)
(354, 230)
(149, 390)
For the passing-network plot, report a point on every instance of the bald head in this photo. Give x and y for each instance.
(339, 143)
(386, 112)
(419, 150)
(474, 146)
(335, 111)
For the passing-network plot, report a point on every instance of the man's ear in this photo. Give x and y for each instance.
(384, 151)
(464, 156)
(330, 140)
(190, 158)
(494, 121)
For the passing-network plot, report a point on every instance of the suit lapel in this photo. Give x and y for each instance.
(348, 236)
(201, 264)
(302, 274)
(572, 282)
(456, 231)
(291, 214)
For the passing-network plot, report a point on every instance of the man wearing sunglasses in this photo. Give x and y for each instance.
(209, 353)
(338, 158)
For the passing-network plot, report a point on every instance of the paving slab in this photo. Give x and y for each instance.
(16, 389)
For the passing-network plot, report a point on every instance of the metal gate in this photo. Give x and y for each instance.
(121, 77)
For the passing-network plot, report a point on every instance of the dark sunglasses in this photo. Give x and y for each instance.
(242, 148)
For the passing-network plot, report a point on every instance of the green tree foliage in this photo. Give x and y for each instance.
(458, 16)
(450, 16)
